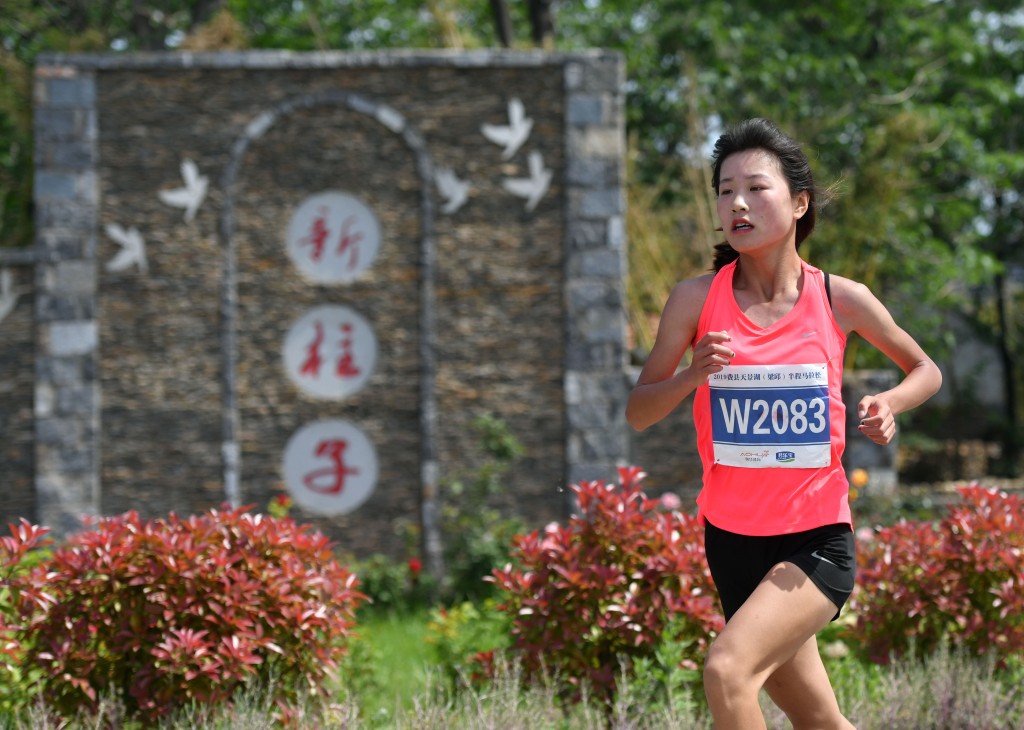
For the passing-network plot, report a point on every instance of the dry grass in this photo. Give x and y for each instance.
(945, 692)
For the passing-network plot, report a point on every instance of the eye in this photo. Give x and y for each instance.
(724, 191)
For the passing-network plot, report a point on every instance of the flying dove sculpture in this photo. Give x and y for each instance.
(191, 196)
(534, 187)
(454, 191)
(133, 248)
(514, 134)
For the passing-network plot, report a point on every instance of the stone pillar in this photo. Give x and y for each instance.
(67, 394)
(879, 462)
(595, 392)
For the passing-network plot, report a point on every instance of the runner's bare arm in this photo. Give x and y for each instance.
(662, 385)
(858, 310)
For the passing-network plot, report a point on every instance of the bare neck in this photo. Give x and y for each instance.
(766, 290)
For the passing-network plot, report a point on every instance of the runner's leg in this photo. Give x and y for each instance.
(783, 613)
(801, 688)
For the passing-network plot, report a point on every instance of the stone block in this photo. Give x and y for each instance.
(45, 398)
(596, 142)
(71, 338)
(617, 232)
(585, 234)
(601, 264)
(64, 216)
(73, 155)
(587, 110)
(75, 277)
(589, 293)
(58, 308)
(61, 185)
(590, 357)
(67, 92)
(61, 244)
(80, 400)
(602, 203)
(58, 432)
(603, 324)
(592, 172)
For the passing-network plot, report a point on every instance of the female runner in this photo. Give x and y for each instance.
(767, 332)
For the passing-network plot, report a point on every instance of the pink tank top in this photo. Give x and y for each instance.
(771, 426)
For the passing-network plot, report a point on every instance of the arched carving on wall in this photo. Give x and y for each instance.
(396, 123)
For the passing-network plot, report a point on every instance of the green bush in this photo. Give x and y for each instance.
(392, 586)
(477, 536)
(467, 639)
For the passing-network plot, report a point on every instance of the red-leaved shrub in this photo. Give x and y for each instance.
(19, 597)
(587, 597)
(959, 581)
(169, 611)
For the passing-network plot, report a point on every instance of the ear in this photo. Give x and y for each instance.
(801, 202)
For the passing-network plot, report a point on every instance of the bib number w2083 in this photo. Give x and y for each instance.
(764, 418)
(771, 416)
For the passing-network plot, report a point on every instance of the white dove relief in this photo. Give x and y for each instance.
(532, 188)
(454, 191)
(515, 134)
(133, 248)
(8, 294)
(192, 195)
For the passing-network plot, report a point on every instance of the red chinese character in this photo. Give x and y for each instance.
(318, 235)
(313, 360)
(346, 364)
(348, 241)
(331, 479)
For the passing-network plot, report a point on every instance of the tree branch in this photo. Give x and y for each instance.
(919, 78)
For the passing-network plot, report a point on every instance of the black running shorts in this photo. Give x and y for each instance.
(739, 563)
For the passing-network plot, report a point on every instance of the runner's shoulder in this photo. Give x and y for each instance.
(690, 294)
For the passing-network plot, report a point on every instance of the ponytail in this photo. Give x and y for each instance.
(724, 254)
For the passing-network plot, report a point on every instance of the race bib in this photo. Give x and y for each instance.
(771, 416)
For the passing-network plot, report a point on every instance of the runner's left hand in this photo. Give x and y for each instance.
(876, 419)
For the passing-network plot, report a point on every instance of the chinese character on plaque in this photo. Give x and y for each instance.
(330, 352)
(333, 237)
(330, 467)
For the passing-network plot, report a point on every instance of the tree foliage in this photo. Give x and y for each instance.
(907, 110)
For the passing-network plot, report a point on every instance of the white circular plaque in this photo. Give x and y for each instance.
(330, 467)
(330, 352)
(333, 237)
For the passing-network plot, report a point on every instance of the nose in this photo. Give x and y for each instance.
(738, 204)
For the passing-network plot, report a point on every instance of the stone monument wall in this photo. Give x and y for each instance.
(187, 328)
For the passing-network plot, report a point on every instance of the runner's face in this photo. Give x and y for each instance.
(755, 206)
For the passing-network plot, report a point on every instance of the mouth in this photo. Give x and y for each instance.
(742, 225)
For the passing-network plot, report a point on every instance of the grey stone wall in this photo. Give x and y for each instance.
(66, 394)
(17, 387)
(157, 383)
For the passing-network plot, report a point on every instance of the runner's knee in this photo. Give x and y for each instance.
(725, 672)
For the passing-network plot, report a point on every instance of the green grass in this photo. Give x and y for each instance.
(945, 690)
(390, 663)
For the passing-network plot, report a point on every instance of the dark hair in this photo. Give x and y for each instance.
(762, 134)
